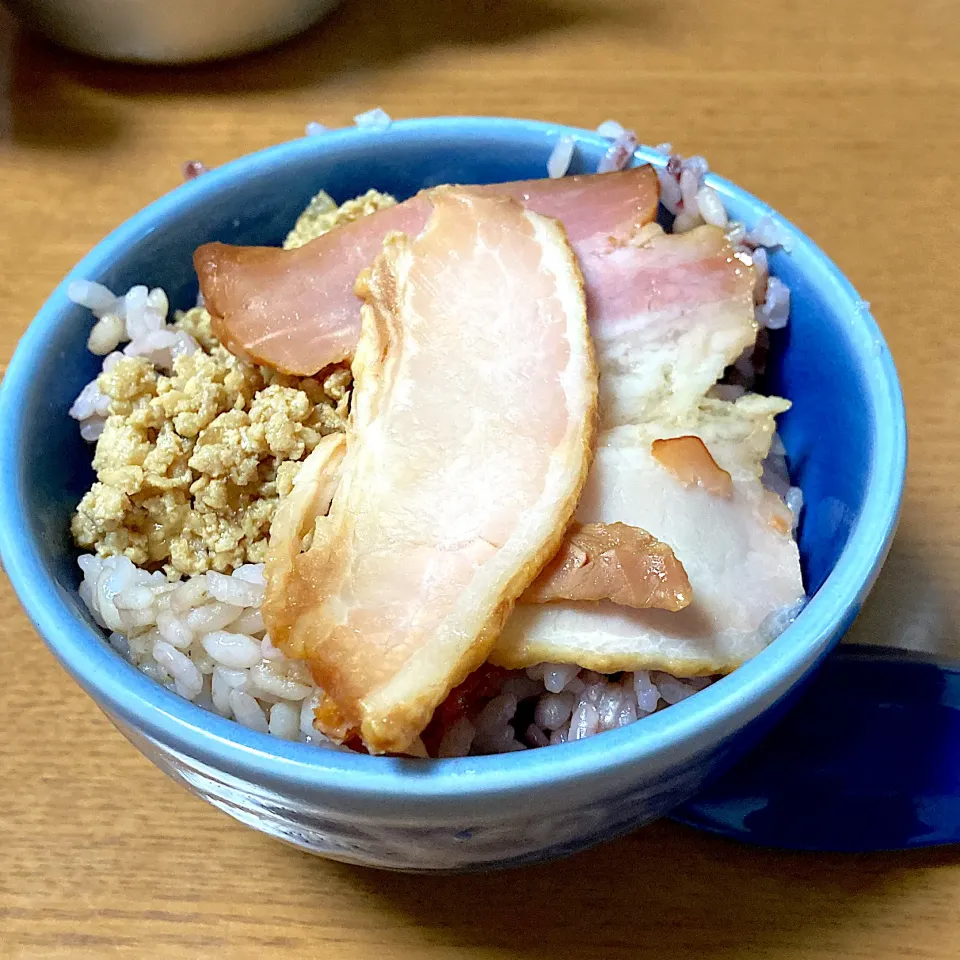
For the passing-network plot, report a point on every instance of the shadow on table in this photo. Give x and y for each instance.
(40, 106)
(367, 34)
(49, 85)
(664, 892)
(909, 606)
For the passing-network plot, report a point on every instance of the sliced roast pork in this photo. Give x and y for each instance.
(464, 464)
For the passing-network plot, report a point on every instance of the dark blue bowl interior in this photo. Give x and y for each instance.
(827, 440)
(814, 363)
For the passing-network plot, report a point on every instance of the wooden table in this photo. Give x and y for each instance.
(843, 115)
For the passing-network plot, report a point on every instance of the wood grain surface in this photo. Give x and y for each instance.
(842, 115)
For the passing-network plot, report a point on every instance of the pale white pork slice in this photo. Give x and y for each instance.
(734, 542)
(474, 406)
(668, 315)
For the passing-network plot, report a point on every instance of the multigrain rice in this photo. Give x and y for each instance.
(203, 638)
(560, 157)
(376, 120)
(188, 637)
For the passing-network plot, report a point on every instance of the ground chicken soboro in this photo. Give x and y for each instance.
(323, 214)
(191, 465)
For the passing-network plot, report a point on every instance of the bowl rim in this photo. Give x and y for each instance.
(367, 781)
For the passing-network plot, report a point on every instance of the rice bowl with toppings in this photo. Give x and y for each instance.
(197, 447)
(845, 440)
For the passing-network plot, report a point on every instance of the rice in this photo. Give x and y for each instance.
(560, 157)
(203, 637)
(138, 319)
(610, 129)
(193, 168)
(774, 312)
(683, 188)
(711, 206)
(185, 636)
(768, 233)
(619, 153)
(376, 120)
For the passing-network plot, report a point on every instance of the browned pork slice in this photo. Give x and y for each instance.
(295, 310)
(474, 405)
(612, 561)
(691, 463)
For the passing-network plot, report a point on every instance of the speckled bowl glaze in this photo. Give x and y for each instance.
(846, 442)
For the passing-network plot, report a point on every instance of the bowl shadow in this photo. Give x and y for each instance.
(358, 35)
(663, 892)
(40, 107)
(910, 606)
(53, 100)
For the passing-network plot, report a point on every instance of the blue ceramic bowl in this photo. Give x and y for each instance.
(846, 441)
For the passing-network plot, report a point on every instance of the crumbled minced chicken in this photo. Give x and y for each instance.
(323, 214)
(191, 465)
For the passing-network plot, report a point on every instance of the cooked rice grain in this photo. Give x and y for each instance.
(560, 157)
